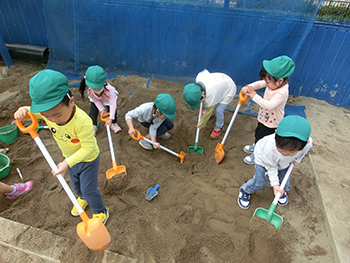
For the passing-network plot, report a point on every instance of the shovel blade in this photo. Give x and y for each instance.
(195, 149)
(117, 169)
(219, 152)
(94, 234)
(273, 218)
(151, 193)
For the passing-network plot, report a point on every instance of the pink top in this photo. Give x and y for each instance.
(108, 97)
(271, 110)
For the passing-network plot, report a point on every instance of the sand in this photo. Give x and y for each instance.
(195, 216)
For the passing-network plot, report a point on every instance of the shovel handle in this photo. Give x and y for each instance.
(105, 117)
(31, 129)
(283, 184)
(137, 135)
(242, 98)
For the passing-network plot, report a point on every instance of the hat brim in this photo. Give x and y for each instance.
(94, 85)
(35, 108)
(170, 116)
(194, 106)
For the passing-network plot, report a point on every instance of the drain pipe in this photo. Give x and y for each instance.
(20, 51)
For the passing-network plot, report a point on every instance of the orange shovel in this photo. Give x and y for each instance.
(91, 231)
(138, 137)
(116, 169)
(219, 152)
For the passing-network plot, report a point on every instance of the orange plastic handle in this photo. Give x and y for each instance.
(31, 129)
(241, 98)
(138, 136)
(105, 117)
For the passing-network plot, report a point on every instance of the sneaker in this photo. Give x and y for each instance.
(216, 133)
(103, 216)
(82, 202)
(165, 136)
(203, 112)
(95, 129)
(283, 199)
(249, 159)
(249, 148)
(243, 199)
(21, 189)
(145, 145)
(115, 127)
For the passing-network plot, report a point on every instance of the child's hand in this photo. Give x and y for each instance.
(131, 131)
(276, 189)
(109, 122)
(21, 114)
(103, 112)
(61, 169)
(156, 146)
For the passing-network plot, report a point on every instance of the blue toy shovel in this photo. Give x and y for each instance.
(151, 193)
(269, 215)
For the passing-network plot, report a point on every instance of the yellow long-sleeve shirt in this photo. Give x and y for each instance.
(76, 138)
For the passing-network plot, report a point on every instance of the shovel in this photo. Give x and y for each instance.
(195, 148)
(269, 215)
(116, 169)
(138, 137)
(91, 231)
(38, 128)
(219, 151)
(151, 193)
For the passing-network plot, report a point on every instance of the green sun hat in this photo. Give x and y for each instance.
(166, 104)
(294, 126)
(95, 77)
(280, 67)
(47, 89)
(192, 94)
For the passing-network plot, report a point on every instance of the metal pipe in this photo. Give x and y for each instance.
(21, 51)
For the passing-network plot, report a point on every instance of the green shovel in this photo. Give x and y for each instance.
(195, 148)
(269, 215)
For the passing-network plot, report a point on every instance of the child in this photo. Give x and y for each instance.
(15, 190)
(100, 93)
(155, 116)
(273, 155)
(72, 129)
(216, 90)
(274, 75)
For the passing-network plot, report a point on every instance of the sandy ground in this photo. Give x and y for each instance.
(195, 216)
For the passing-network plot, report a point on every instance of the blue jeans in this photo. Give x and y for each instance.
(163, 128)
(260, 180)
(219, 113)
(84, 181)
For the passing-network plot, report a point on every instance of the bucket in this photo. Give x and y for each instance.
(5, 164)
(8, 134)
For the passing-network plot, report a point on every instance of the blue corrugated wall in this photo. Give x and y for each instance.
(322, 61)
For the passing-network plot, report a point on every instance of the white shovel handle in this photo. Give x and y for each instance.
(110, 143)
(283, 184)
(59, 176)
(161, 147)
(199, 119)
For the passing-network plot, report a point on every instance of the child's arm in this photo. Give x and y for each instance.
(21, 114)
(276, 100)
(131, 129)
(112, 100)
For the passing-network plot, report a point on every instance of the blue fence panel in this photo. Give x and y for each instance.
(22, 22)
(323, 65)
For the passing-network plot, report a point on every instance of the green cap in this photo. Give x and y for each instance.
(166, 104)
(47, 89)
(192, 95)
(280, 67)
(294, 126)
(95, 77)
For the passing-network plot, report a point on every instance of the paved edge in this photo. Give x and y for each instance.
(20, 243)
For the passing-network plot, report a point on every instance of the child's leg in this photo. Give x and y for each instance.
(258, 182)
(261, 131)
(93, 113)
(88, 185)
(166, 125)
(219, 113)
(281, 174)
(5, 188)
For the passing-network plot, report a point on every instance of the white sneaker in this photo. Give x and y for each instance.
(249, 148)
(165, 136)
(115, 127)
(145, 145)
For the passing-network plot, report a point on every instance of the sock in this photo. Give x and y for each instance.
(14, 190)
